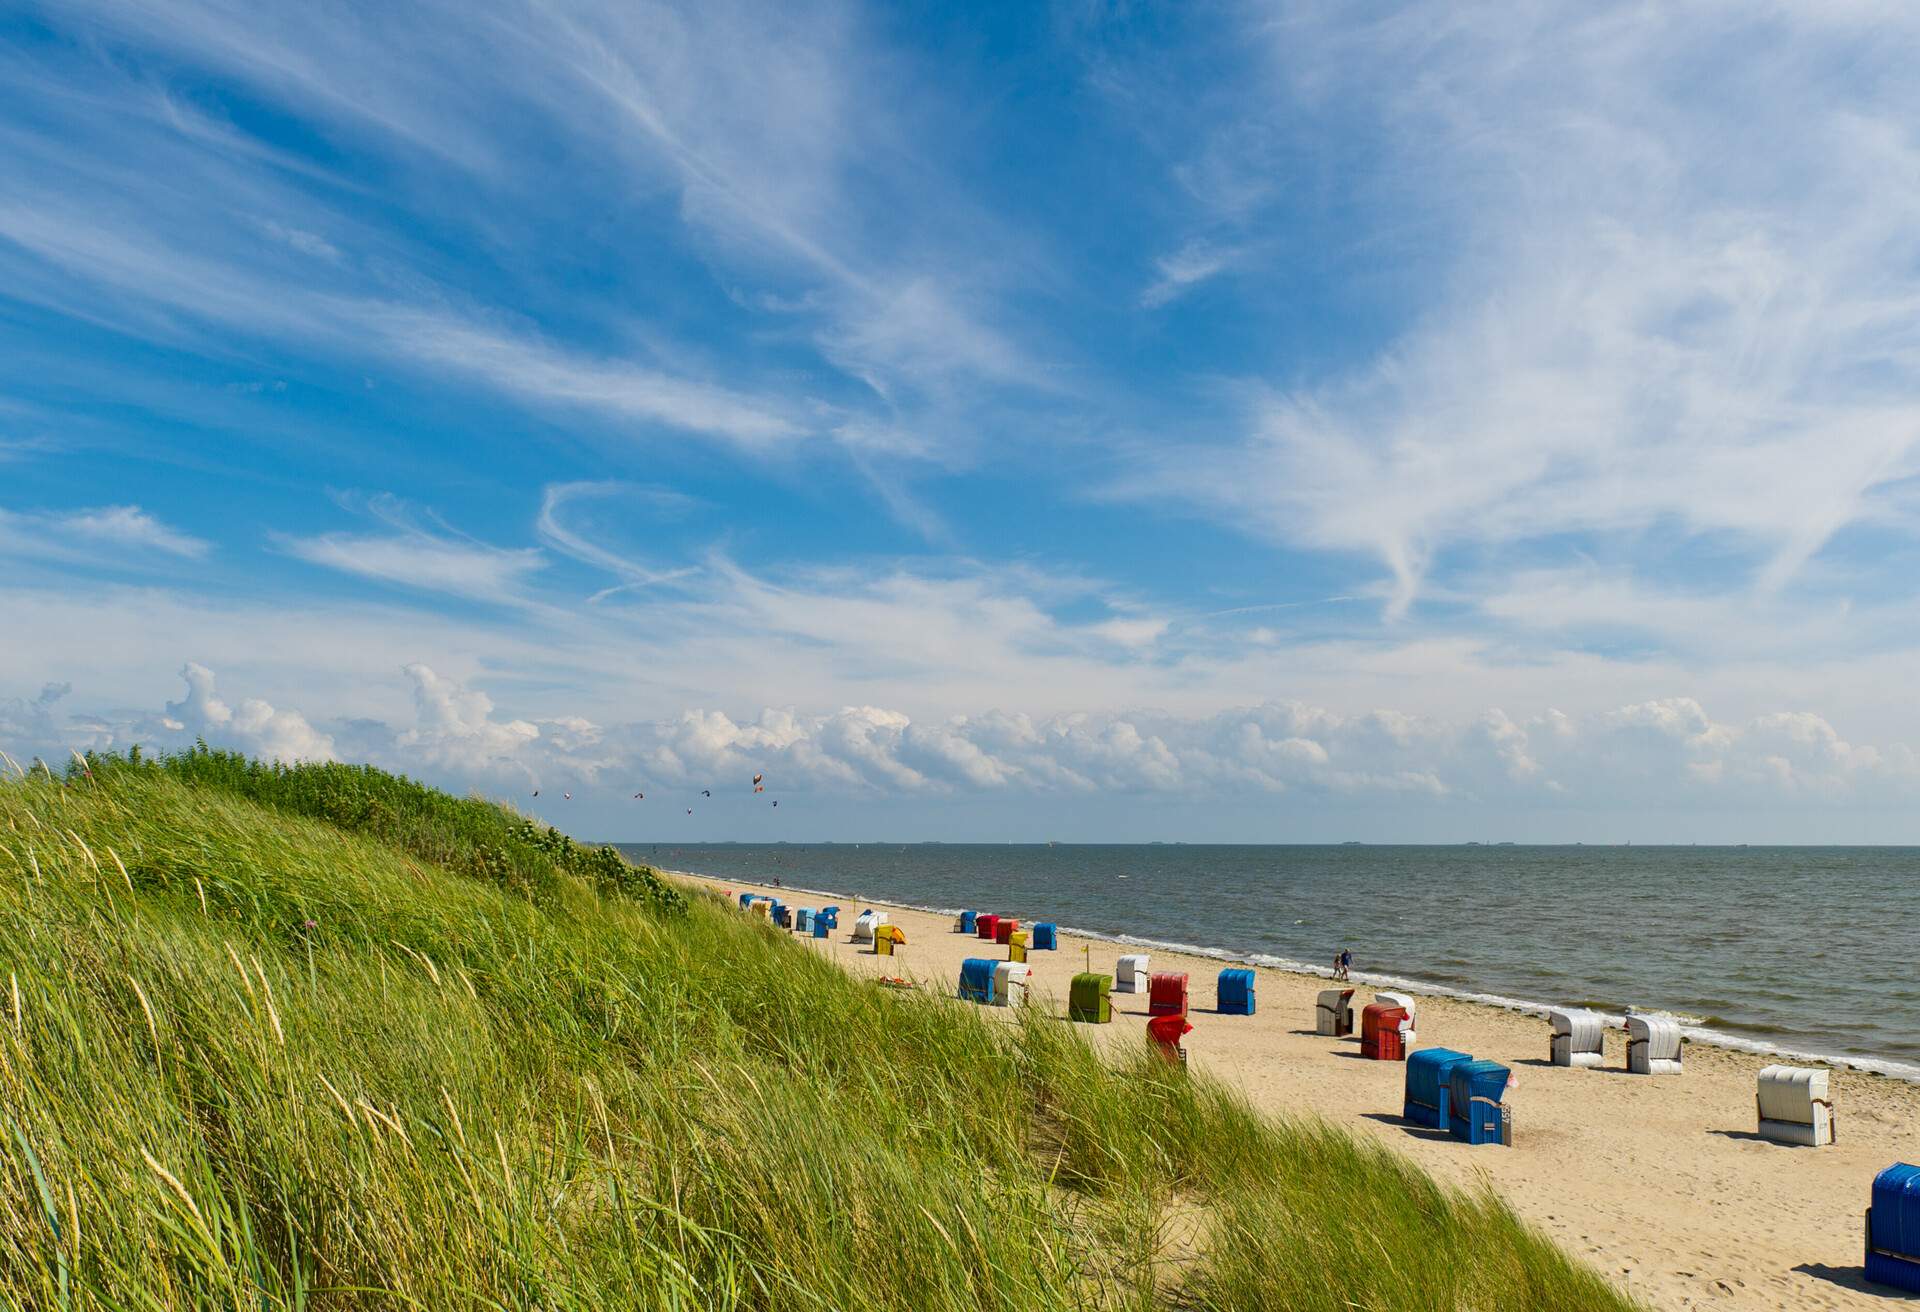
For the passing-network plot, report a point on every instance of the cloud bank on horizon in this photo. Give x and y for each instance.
(1295, 422)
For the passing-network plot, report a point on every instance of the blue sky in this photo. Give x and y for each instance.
(1256, 422)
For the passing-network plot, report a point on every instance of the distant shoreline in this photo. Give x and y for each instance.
(1885, 1067)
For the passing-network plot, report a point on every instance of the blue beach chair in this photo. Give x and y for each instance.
(1233, 995)
(1893, 1229)
(746, 900)
(1476, 1110)
(1046, 937)
(1429, 1083)
(803, 920)
(967, 919)
(976, 979)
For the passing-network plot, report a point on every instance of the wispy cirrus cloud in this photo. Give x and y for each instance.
(1644, 318)
(124, 534)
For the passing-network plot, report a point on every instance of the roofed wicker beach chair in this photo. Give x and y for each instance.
(1794, 1106)
(1333, 1013)
(1653, 1045)
(1089, 999)
(1130, 973)
(1579, 1037)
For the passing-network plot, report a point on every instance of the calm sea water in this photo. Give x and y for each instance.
(1810, 951)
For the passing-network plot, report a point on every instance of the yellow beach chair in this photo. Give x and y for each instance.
(886, 938)
(1017, 945)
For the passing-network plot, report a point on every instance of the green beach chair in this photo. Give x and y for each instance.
(1090, 998)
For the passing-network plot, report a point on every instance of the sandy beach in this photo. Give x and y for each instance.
(1659, 1182)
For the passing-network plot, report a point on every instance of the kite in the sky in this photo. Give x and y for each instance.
(638, 796)
(706, 792)
(536, 792)
(689, 810)
(756, 783)
(776, 801)
(566, 797)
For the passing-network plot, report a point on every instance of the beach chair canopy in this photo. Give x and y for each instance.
(746, 900)
(1794, 1105)
(1428, 1083)
(984, 925)
(964, 924)
(1003, 927)
(1233, 994)
(865, 923)
(1046, 937)
(1893, 1228)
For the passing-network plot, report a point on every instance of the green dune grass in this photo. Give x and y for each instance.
(324, 1037)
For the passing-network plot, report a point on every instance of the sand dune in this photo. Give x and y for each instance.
(1659, 1182)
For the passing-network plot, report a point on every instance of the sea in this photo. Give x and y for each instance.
(1805, 952)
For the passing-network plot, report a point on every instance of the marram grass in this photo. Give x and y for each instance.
(273, 1039)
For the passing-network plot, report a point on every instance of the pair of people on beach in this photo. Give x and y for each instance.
(1342, 963)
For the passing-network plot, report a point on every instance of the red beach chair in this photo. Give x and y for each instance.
(1166, 1033)
(1167, 993)
(1382, 1032)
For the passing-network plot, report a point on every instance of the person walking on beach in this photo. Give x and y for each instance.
(1342, 960)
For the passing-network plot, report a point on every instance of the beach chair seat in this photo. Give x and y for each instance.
(865, 923)
(1653, 1045)
(1130, 973)
(1010, 981)
(1406, 1003)
(822, 926)
(1017, 945)
(1046, 937)
(1428, 1085)
(1167, 993)
(1003, 928)
(1233, 993)
(1794, 1106)
(1893, 1229)
(1477, 1110)
(1333, 1013)
(1579, 1037)
(985, 924)
(976, 980)
(1384, 1032)
(964, 923)
(1089, 998)
(803, 920)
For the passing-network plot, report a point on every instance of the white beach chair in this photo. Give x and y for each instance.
(1405, 1002)
(1130, 973)
(867, 922)
(1653, 1045)
(1579, 1037)
(1010, 981)
(1333, 1014)
(1794, 1106)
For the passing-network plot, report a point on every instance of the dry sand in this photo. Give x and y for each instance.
(1658, 1181)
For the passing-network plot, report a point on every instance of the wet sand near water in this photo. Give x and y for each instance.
(1657, 1181)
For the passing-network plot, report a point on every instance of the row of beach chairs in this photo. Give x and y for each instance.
(1444, 1089)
